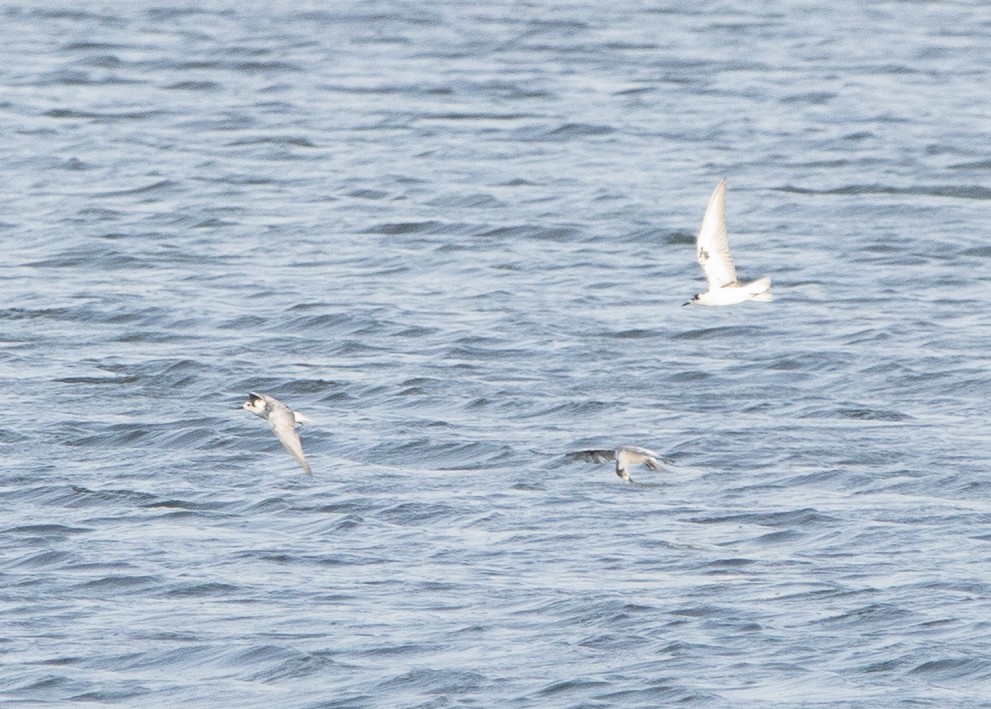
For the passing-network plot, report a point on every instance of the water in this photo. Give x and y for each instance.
(459, 237)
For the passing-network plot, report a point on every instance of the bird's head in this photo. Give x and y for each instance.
(255, 404)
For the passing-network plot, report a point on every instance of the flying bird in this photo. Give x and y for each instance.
(283, 421)
(625, 456)
(712, 250)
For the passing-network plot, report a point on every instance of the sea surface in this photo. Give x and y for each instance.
(459, 236)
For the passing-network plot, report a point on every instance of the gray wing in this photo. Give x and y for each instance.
(712, 244)
(654, 464)
(594, 456)
(283, 423)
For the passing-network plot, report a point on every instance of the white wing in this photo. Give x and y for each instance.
(636, 454)
(283, 423)
(712, 244)
(645, 452)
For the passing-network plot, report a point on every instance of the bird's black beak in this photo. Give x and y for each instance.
(684, 304)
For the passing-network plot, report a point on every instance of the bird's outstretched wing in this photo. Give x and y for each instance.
(594, 456)
(712, 243)
(654, 464)
(283, 423)
(644, 456)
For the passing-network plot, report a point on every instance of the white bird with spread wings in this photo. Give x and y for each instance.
(712, 250)
(283, 421)
(625, 456)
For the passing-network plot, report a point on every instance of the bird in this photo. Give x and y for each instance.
(712, 250)
(625, 456)
(283, 421)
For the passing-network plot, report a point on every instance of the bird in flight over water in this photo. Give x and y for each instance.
(712, 251)
(283, 421)
(625, 457)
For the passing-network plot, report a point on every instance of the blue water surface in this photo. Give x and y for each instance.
(459, 238)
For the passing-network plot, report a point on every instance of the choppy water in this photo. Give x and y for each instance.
(459, 238)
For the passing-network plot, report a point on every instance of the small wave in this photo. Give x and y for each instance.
(978, 251)
(47, 529)
(477, 116)
(949, 191)
(104, 257)
(159, 187)
(368, 194)
(241, 67)
(193, 86)
(715, 333)
(873, 616)
(564, 132)
(299, 666)
(427, 226)
(637, 334)
(282, 140)
(792, 518)
(197, 589)
(869, 414)
(952, 668)
(118, 583)
(813, 98)
(572, 685)
(77, 496)
(101, 117)
(533, 231)
(445, 685)
(975, 165)
(45, 559)
(467, 201)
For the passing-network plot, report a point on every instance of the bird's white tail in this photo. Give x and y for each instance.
(760, 290)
